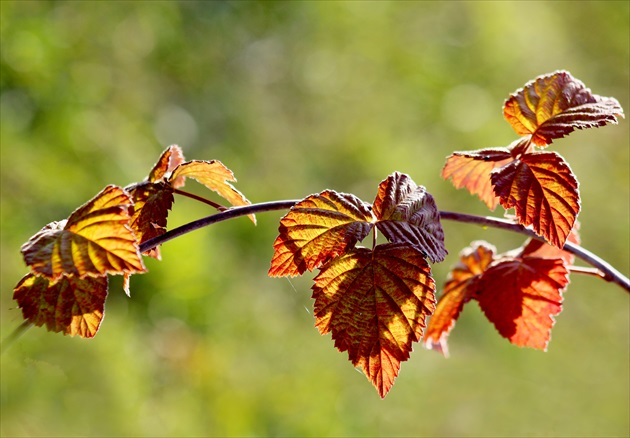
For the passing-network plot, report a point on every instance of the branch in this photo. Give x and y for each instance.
(609, 273)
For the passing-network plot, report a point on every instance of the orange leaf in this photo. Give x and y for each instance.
(407, 213)
(522, 296)
(70, 305)
(461, 286)
(553, 105)
(375, 303)
(544, 192)
(94, 240)
(215, 176)
(152, 201)
(536, 248)
(472, 171)
(318, 228)
(168, 161)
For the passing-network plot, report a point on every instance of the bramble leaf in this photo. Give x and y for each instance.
(168, 161)
(70, 305)
(553, 105)
(94, 240)
(544, 192)
(318, 228)
(375, 303)
(215, 176)
(536, 248)
(152, 202)
(471, 170)
(461, 286)
(522, 296)
(407, 213)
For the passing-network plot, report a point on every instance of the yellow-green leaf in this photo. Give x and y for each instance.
(215, 176)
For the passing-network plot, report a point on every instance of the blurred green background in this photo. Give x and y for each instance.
(296, 97)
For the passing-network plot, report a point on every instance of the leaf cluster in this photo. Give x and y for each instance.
(71, 259)
(375, 301)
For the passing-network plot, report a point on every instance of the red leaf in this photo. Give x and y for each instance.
(407, 213)
(536, 248)
(544, 192)
(168, 161)
(522, 296)
(460, 287)
(318, 228)
(152, 202)
(70, 305)
(95, 240)
(553, 105)
(375, 303)
(471, 170)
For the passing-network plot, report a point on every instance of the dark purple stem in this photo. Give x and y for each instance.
(609, 272)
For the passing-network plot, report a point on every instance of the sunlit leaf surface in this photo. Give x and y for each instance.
(152, 202)
(318, 228)
(553, 105)
(168, 161)
(522, 296)
(70, 305)
(544, 192)
(519, 294)
(461, 286)
(471, 170)
(215, 176)
(375, 303)
(96, 239)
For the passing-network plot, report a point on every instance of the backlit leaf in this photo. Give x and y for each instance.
(168, 161)
(407, 213)
(375, 303)
(215, 176)
(94, 240)
(544, 192)
(553, 105)
(522, 296)
(461, 286)
(71, 305)
(318, 228)
(152, 202)
(536, 248)
(471, 170)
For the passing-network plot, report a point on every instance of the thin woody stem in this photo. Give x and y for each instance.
(200, 199)
(587, 271)
(609, 273)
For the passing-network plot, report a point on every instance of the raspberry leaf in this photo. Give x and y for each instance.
(522, 296)
(318, 228)
(215, 176)
(375, 303)
(461, 286)
(95, 240)
(553, 105)
(70, 305)
(544, 192)
(471, 170)
(407, 213)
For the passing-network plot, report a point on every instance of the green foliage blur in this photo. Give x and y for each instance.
(297, 97)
